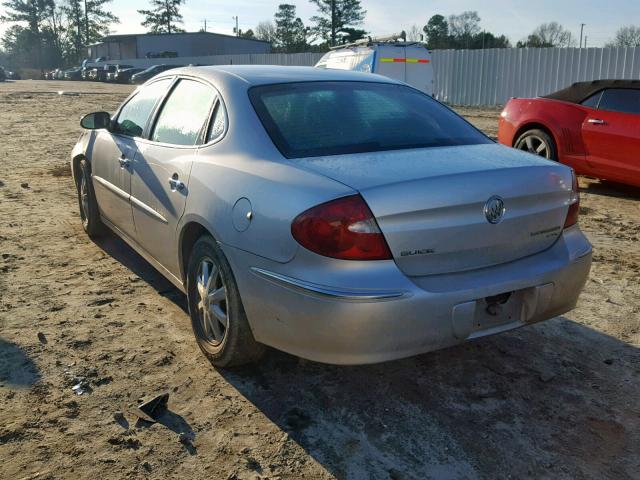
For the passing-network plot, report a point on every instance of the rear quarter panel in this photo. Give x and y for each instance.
(563, 120)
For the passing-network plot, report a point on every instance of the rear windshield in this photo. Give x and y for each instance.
(333, 118)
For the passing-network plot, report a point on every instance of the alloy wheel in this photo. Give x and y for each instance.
(536, 145)
(212, 302)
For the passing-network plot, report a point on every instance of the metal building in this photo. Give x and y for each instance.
(196, 44)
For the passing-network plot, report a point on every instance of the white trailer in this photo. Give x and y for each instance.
(409, 62)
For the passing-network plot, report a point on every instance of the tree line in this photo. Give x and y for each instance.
(50, 33)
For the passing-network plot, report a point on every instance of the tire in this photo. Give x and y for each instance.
(89, 213)
(537, 142)
(224, 345)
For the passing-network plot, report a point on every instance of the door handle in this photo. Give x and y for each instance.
(175, 184)
(595, 121)
(124, 162)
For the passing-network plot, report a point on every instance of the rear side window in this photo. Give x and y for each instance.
(334, 118)
(184, 114)
(133, 117)
(218, 122)
(593, 100)
(620, 100)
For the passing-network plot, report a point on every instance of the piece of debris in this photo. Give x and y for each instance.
(608, 361)
(150, 410)
(42, 338)
(24, 184)
(82, 386)
(68, 94)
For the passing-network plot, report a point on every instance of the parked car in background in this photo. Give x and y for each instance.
(52, 74)
(409, 62)
(92, 74)
(124, 76)
(150, 72)
(340, 216)
(593, 127)
(73, 74)
(102, 72)
(112, 72)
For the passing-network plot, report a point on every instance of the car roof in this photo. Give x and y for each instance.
(580, 91)
(253, 75)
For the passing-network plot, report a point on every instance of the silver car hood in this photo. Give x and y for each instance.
(362, 171)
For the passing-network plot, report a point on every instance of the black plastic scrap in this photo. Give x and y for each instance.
(150, 410)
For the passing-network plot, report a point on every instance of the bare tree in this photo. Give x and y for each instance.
(414, 34)
(628, 36)
(549, 35)
(266, 31)
(464, 25)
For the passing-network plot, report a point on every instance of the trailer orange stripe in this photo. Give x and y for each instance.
(404, 60)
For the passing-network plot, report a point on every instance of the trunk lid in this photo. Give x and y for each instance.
(430, 203)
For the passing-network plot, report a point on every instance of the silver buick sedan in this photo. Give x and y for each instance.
(340, 216)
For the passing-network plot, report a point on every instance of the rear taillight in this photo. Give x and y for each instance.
(344, 228)
(574, 206)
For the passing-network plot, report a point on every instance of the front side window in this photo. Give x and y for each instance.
(184, 114)
(620, 100)
(334, 118)
(133, 117)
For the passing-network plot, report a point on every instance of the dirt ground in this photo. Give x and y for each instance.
(556, 400)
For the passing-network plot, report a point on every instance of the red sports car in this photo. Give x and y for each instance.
(593, 127)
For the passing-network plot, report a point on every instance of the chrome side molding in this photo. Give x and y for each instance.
(326, 292)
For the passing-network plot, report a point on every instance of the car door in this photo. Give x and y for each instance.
(114, 151)
(611, 134)
(160, 182)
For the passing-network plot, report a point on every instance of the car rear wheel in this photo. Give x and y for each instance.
(217, 316)
(537, 142)
(89, 212)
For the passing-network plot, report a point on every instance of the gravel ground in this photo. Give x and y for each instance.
(556, 400)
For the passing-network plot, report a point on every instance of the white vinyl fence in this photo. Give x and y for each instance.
(491, 77)
(476, 77)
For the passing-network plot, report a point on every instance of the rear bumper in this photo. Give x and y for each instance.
(383, 315)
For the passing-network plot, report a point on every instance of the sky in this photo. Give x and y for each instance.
(515, 19)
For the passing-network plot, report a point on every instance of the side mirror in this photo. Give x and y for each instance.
(96, 120)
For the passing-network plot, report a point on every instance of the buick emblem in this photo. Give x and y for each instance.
(494, 210)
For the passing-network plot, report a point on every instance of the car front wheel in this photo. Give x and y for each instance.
(217, 316)
(537, 142)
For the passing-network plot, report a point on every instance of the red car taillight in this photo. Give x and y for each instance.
(574, 207)
(344, 228)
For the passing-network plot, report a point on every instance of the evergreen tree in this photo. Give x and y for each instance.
(335, 17)
(437, 32)
(291, 35)
(163, 16)
(25, 40)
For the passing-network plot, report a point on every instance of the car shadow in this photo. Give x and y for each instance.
(552, 400)
(610, 189)
(118, 249)
(17, 369)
